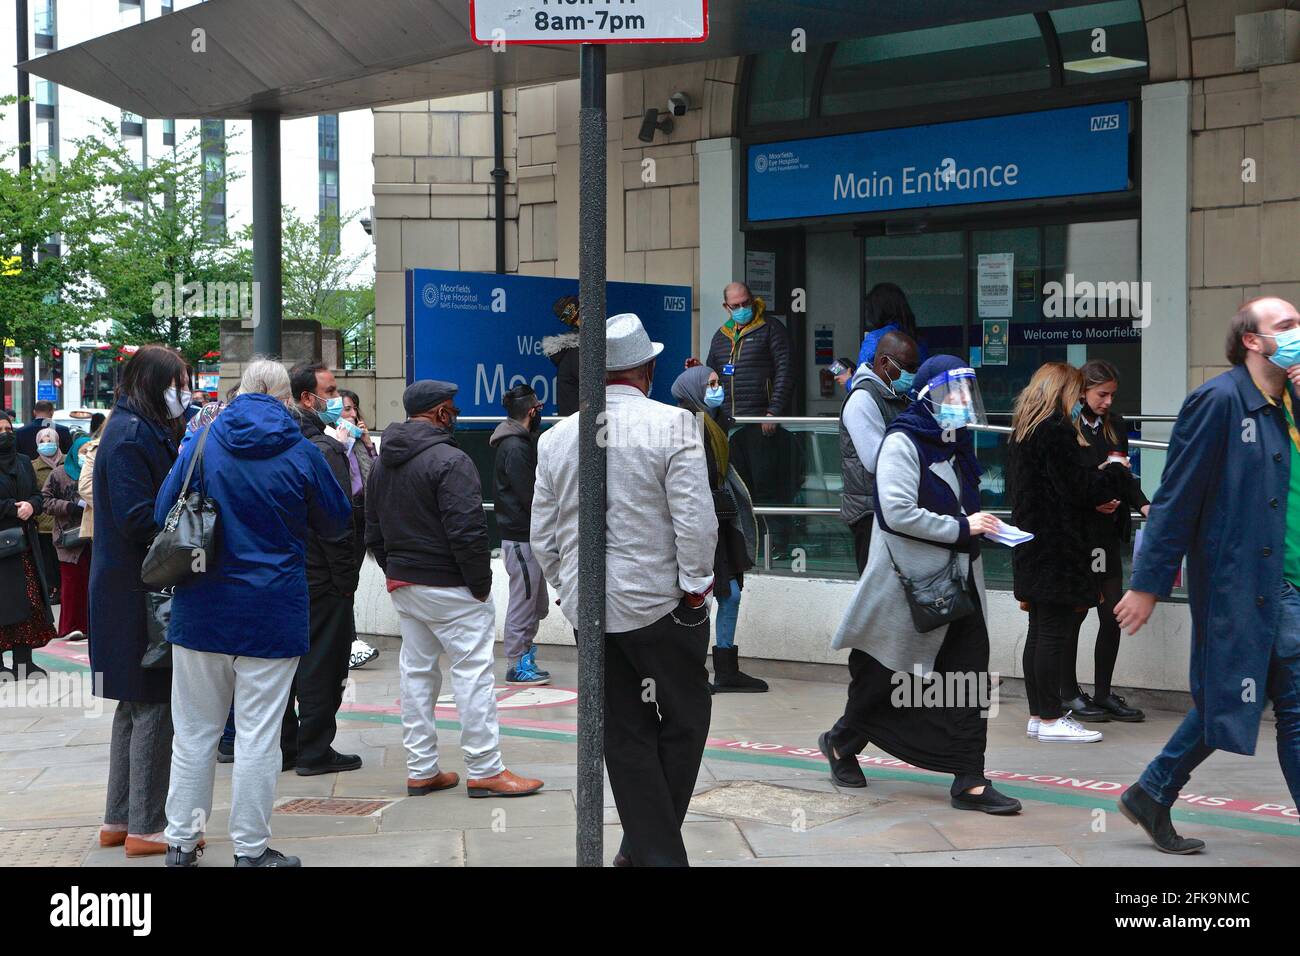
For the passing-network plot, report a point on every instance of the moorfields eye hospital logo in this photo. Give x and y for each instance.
(760, 163)
(429, 294)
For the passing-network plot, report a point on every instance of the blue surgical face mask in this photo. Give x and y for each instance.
(48, 449)
(1288, 347)
(333, 409)
(953, 416)
(1075, 411)
(713, 396)
(903, 384)
(742, 315)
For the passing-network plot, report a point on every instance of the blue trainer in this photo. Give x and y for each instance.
(532, 661)
(524, 673)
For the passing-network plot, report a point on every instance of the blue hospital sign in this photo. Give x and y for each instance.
(485, 331)
(1063, 152)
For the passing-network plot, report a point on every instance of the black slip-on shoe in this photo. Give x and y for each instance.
(990, 801)
(1138, 807)
(337, 763)
(844, 770)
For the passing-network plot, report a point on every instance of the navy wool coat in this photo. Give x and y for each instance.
(134, 457)
(1222, 502)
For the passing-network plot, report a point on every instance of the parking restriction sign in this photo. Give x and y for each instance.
(589, 21)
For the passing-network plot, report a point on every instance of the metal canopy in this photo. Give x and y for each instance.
(307, 57)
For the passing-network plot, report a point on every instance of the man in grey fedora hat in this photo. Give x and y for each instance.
(661, 531)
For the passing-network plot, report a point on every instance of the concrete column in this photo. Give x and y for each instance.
(1166, 207)
(722, 244)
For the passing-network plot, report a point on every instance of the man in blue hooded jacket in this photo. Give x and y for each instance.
(1229, 499)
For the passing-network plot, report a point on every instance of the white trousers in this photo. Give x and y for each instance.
(451, 621)
(202, 687)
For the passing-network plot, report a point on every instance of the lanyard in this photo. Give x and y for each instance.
(1290, 416)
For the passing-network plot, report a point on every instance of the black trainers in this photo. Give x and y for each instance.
(990, 801)
(178, 857)
(844, 770)
(336, 763)
(1138, 807)
(225, 752)
(269, 857)
(1114, 705)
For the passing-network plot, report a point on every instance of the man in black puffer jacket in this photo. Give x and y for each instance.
(426, 527)
(332, 575)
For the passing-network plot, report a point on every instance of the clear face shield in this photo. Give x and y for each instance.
(953, 397)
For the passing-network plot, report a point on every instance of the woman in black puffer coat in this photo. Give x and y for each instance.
(1053, 494)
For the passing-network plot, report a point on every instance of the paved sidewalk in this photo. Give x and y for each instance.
(764, 796)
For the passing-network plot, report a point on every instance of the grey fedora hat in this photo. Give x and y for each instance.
(626, 343)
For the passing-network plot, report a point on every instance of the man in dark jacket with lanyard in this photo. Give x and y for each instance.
(426, 527)
(751, 354)
(878, 393)
(1229, 499)
(515, 441)
(332, 575)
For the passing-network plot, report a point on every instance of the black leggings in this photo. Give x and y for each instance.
(1107, 649)
(1053, 628)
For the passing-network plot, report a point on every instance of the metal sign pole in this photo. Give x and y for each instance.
(591, 457)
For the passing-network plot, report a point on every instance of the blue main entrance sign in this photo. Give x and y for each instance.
(1064, 152)
(484, 331)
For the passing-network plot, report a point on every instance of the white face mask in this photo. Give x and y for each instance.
(177, 402)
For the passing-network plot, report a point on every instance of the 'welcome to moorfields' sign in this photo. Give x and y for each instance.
(1064, 152)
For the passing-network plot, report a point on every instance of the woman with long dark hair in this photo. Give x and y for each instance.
(1109, 527)
(887, 310)
(25, 618)
(1052, 493)
(136, 450)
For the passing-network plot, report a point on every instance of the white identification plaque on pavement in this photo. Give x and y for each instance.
(589, 21)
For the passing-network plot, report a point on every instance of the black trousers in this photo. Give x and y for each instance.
(319, 681)
(861, 540)
(657, 710)
(1053, 628)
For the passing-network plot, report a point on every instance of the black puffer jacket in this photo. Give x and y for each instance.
(1053, 493)
(515, 475)
(763, 378)
(563, 351)
(424, 511)
(332, 565)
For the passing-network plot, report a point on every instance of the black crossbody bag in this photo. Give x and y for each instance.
(940, 599)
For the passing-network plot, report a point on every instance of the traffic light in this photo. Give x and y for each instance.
(56, 372)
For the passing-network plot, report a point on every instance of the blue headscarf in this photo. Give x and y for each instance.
(919, 424)
(71, 463)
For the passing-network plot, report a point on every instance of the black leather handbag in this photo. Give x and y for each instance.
(187, 541)
(13, 542)
(940, 599)
(157, 615)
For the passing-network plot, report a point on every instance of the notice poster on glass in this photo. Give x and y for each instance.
(760, 275)
(994, 285)
(995, 349)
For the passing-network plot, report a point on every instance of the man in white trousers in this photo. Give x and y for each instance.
(426, 528)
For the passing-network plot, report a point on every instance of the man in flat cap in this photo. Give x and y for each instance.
(661, 532)
(426, 527)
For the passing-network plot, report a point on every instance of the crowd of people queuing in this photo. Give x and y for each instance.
(302, 494)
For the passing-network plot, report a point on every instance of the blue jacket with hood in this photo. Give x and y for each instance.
(271, 485)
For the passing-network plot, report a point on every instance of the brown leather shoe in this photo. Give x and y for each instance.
(138, 846)
(504, 784)
(112, 837)
(443, 781)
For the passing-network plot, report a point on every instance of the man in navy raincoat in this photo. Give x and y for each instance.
(1229, 499)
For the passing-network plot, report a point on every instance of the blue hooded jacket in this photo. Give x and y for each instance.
(271, 485)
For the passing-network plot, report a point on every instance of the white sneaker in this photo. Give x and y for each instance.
(1032, 729)
(362, 654)
(1067, 730)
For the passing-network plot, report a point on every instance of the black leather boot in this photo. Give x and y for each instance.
(1138, 807)
(727, 676)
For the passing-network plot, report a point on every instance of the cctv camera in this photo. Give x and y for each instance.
(652, 122)
(678, 104)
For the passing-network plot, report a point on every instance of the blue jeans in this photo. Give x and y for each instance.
(728, 610)
(1165, 776)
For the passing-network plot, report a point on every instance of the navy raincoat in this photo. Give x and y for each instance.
(271, 485)
(1222, 502)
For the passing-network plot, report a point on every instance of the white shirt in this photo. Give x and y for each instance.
(661, 527)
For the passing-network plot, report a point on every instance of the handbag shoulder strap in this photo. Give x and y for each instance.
(198, 456)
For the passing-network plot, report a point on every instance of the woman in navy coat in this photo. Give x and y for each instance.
(136, 451)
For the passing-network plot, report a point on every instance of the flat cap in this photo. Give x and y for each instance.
(426, 393)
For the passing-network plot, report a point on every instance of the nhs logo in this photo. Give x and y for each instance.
(1109, 121)
(674, 303)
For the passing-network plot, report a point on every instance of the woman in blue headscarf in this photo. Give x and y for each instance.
(922, 696)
